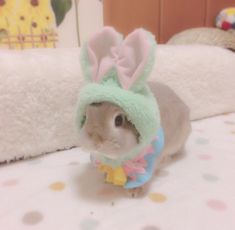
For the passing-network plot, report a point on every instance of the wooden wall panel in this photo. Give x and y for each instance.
(164, 18)
(214, 7)
(126, 15)
(177, 15)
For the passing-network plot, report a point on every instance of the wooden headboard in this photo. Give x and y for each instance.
(164, 18)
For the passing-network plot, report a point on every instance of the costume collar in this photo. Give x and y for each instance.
(137, 170)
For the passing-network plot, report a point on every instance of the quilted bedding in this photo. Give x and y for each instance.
(62, 191)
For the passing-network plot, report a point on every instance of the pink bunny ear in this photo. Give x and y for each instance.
(133, 57)
(99, 52)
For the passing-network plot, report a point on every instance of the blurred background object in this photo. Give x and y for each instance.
(47, 23)
(68, 23)
(205, 36)
(164, 18)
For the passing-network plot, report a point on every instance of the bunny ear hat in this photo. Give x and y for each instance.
(116, 70)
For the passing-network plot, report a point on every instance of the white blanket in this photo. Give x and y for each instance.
(39, 90)
(62, 191)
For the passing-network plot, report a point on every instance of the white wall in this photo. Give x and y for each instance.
(67, 31)
(90, 17)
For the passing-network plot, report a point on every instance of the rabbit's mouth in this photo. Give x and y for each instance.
(99, 152)
(112, 157)
(109, 149)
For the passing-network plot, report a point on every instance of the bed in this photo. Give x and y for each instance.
(62, 190)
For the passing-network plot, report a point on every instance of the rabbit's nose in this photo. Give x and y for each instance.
(95, 137)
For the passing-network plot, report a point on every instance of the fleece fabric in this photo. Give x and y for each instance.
(116, 72)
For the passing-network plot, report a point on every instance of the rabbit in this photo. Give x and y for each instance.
(107, 130)
(129, 126)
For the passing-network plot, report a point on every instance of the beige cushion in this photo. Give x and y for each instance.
(206, 36)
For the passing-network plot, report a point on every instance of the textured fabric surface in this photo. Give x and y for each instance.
(204, 36)
(38, 94)
(63, 191)
(39, 91)
(202, 76)
(132, 58)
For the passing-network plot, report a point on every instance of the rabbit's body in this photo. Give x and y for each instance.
(175, 118)
(120, 118)
(99, 133)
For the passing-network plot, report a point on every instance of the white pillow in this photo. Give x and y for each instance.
(38, 94)
(203, 76)
(39, 89)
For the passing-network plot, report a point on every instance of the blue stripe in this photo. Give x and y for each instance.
(141, 179)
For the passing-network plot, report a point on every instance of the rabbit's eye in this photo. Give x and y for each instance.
(119, 120)
(83, 120)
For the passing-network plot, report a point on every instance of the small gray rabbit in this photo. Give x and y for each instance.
(128, 126)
